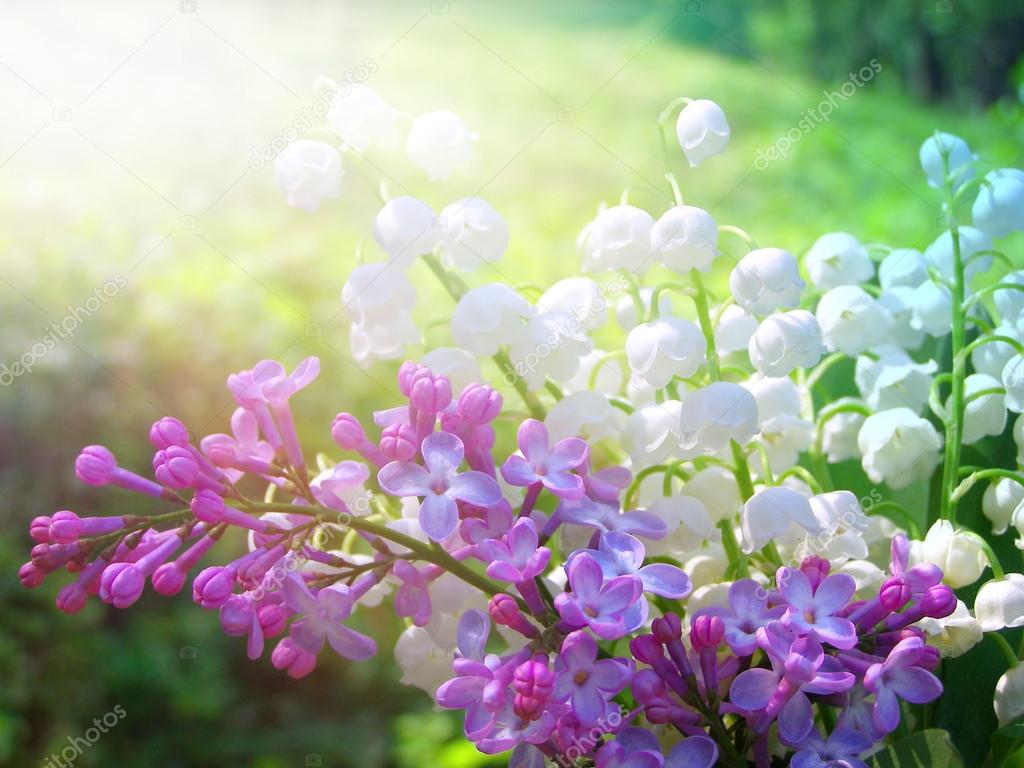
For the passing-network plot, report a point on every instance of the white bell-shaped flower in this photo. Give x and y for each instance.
(308, 172)
(457, 365)
(992, 358)
(685, 238)
(552, 345)
(843, 523)
(851, 320)
(1009, 301)
(702, 130)
(383, 341)
(894, 380)
(839, 433)
(734, 329)
(931, 305)
(999, 207)
(899, 301)
(999, 603)
(984, 415)
(652, 433)
(586, 414)
(903, 267)
(940, 253)
(1013, 383)
(374, 291)
(489, 316)
(626, 309)
(439, 143)
(898, 447)
(784, 438)
(775, 396)
(786, 341)
(689, 525)
(1000, 500)
(609, 379)
(1018, 438)
(578, 297)
(715, 487)
(959, 162)
(773, 512)
(1009, 696)
(619, 238)
(715, 414)
(954, 635)
(363, 119)
(765, 280)
(838, 258)
(665, 348)
(956, 552)
(473, 234)
(1017, 521)
(406, 228)
(424, 664)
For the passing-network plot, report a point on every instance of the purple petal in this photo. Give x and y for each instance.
(307, 635)
(564, 484)
(747, 598)
(637, 615)
(886, 714)
(641, 523)
(439, 516)
(796, 718)
(526, 756)
(403, 478)
(523, 540)
(569, 610)
(442, 453)
(609, 676)
(579, 650)
(693, 752)
(753, 689)
(627, 550)
(795, 588)
(479, 721)
(916, 685)
(350, 644)
(587, 704)
(830, 682)
(665, 580)
(503, 571)
(537, 563)
(306, 371)
(834, 592)
(567, 454)
(838, 632)
(471, 635)
(476, 488)
(297, 595)
(518, 471)
(585, 577)
(619, 594)
(533, 441)
(460, 692)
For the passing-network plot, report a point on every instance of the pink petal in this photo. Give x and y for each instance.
(533, 440)
(306, 371)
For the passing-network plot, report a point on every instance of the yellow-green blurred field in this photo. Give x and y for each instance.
(125, 152)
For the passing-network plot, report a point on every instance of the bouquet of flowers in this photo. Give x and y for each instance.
(661, 570)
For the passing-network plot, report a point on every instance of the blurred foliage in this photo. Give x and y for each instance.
(259, 280)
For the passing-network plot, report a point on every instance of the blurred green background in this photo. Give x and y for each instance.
(125, 153)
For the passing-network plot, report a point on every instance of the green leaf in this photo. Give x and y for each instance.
(922, 750)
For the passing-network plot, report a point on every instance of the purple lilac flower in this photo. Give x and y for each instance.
(588, 683)
(609, 517)
(413, 598)
(900, 676)
(517, 556)
(550, 466)
(631, 748)
(693, 752)
(813, 611)
(322, 617)
(440, 484)
(493, 523)
(840, 750)
(748, 611)
(594, 603)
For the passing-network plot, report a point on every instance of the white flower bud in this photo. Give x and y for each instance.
(839, 434)
(373, 291)
(474, 234)
(1001, 499)
(959, 164)
(383, 341)
(439, 143)
(898, 447)
(954, 635)
(665, 348)
(423, 663)
(406, 228)
(685, 238)
(1013, 383)
(775, 396)
(1009, 697)
(578, 297)
(999, 207)
(460, 367)
(715, 487)
(940, 253)
(689, 525)
(702, 130)
(851, 320)
(999, 603)
(894, 380)
(308, 172)
(1017, 521)
(766, 279)
(931, 305)
(619, 238)
(1009, 301)
(958, 554)
(784, 437)
(1018, 438)
(552, 345)
(735, 327)
(842, 522)
(489, 316)
(362, 118)
(984, 415)
(906, 267)
(652, 433)
(992, 358)
(715, 414)
(838, 258)
(586, 414)
(786, 341)
(771, 513)
(899, 300)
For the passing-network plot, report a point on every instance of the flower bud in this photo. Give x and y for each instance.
(815, 568)
(208, 507)
(290, 657)
(766, 279)
(236, 616)
(213, 586)
(168, 579)
(121, 584)
(430, 394)
(175, 467)
(39, 530)
(95, 465)
(647, 649)
(72, 598)
(938, 602)
(784, 342)
(706, 632)
(347, 432)
(479, 404)
(702, 130)
(166, 432)
(957, 163)
(440, 144)
(685, 238)
(667, 628)
(273, 620)
(398, 442)
(308, 172)
(999, 207)
(65, 527)
(31, 575)
(894, 593)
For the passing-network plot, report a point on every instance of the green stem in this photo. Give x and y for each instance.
(700, 300)
(1004, 646)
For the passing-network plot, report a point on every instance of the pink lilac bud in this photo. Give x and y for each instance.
(406, 373)
(667, 628)
(895, 593)
(73, 597)
(938, 602)
(533, 683)
(95, 465)
(169, 578)
(430, 394)
(706, 631)
(296, 661)
(213, 586)
(175, 467)
(255, 568)
(273, 619)
(121, 584)
(166, 432)
(479, 404)
(646, 649)
(930, 658)
(236, 616)
(50, 557)
(39, 530)
(31, 575)
(66, 526)
(347, 432)
(398, 442)
(504, 610)
(815, 569)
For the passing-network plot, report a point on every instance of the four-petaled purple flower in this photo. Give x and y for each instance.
(813, 611)
(541, 463)
(594, 603)
(322, 617)
(900, 677)
(516, 556)
(585, 681)
(748, 611)
(840, 750)
(440, 484)
(609, 517)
